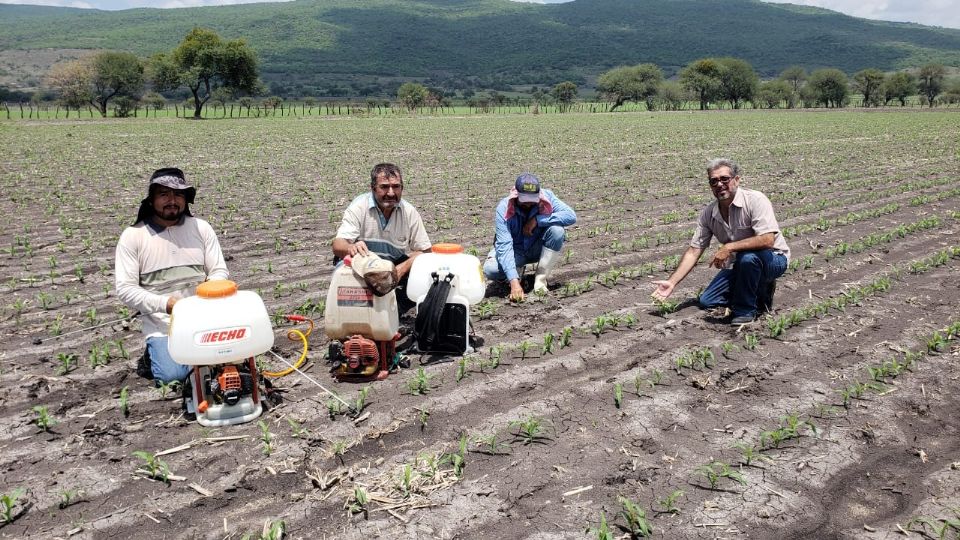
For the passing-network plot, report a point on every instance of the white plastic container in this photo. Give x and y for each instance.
(353, 309)
(468, 282)
(220, 325)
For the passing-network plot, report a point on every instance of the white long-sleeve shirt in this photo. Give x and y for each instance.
(154, 263)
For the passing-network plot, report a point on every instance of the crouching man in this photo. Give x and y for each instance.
(529, 226)
(753, 255)
(162, 258)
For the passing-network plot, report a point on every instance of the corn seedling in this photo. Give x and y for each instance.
(669, 503)
(523, 347)
(548, 344)
(750, 341)
(406, 480)
(727, 348)
(43, 420)
(618, 394)
(566, 335)
(636, 518)
(419, 384)
(297, 431)
(601, 531)
(56, 327)
(749, 453)
(422, 416)
(715, 470)
(939, 526)
(703, 357)
(600, 325)
(496, 353)
(361, 400)
(67, 362)
(358, 504)
(489, 444)
(273, 530)
(44, 299)
(125, 401)
(266, 438)
(19, 306)
(462, 368)
(68, 497)
(165, 388)
(665, 306)
(154, 466)
(121, 350)
(486, 309)
(9, 502)
(529, 431)
(937, 343)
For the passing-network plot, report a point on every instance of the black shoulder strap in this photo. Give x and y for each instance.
(431, 310)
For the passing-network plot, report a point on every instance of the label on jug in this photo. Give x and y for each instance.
(221, 336)
(354, 297)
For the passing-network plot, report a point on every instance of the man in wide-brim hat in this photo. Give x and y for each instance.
(162, 258)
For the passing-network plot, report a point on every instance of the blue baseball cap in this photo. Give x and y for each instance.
(528, 188)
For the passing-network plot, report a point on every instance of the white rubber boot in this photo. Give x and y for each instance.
(548, 260)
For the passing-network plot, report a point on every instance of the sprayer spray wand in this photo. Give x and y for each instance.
(307, 377)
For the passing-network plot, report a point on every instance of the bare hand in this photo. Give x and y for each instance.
(516, 291)
(663, 291)
(529, 226)
(171, 300)
(358, 248)
(720, 258)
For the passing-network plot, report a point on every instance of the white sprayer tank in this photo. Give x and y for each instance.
(468, 281)
(353, 309)
(220, 325)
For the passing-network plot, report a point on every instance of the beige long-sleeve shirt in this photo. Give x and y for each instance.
(154, 263)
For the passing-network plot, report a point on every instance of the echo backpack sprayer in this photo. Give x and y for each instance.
(219, 332)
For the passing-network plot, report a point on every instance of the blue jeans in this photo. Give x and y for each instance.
(551, 238)
(744, 286)
(165, 370)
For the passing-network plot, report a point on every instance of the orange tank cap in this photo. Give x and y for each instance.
(218, 288)
(447, 249)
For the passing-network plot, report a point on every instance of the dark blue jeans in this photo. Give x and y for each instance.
(165, 370)
(551, 238)
(744, 286)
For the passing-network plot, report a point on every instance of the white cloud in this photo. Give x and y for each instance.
(929, 12)
(54, 3)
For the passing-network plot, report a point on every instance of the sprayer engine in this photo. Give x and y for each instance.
(358, 358)
(227, 384)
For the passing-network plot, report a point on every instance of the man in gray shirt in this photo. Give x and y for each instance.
(753, 253)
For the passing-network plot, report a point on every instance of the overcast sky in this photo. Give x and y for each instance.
(930, 12)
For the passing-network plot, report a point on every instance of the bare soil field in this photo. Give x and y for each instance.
(586, 412)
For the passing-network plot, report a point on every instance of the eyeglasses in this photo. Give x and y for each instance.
(717, 180)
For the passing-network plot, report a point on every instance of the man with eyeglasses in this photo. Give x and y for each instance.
(381, 222)
(753, 252)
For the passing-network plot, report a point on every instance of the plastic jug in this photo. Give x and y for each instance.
(353, 309)
(220, 325)
(468, 282)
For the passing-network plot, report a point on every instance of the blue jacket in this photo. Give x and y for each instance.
(508, 223)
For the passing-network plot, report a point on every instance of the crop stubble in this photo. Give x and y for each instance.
(275, 188)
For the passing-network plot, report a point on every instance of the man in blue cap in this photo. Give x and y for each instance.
(529, 225)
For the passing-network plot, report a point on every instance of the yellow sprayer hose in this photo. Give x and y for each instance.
(294, 335)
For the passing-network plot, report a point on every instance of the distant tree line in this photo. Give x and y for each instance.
(214, 73)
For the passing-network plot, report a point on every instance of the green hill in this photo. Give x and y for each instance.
(313, 42)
